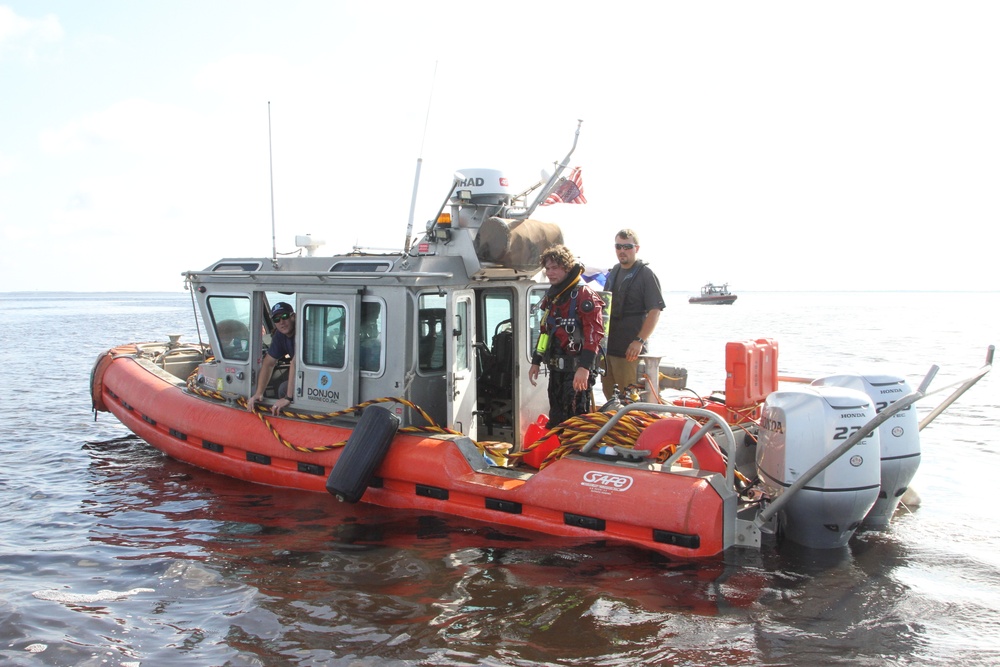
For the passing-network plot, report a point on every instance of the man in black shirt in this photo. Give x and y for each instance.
(636, 302)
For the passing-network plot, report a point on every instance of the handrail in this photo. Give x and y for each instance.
(795, 378)
(550, 185)
(683, 447)
(321, 275)
(963, 386)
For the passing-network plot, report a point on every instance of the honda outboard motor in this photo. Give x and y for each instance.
(899, 439)
(798, 427)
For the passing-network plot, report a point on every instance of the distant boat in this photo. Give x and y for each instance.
(718, 294)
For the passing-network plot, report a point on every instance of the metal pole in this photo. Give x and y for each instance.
(698, 413)
(555, 177)
(270, 157)
(420, 161)
(961, 390)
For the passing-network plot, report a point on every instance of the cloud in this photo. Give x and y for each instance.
(745, 145)
(133, 125)
(20, 36)
(7, 165)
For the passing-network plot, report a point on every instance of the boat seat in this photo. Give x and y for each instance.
(498, 365)
(371, 350)
(430, 358)
(495, 384)
(279, 380)
(430, 339)
(333, 351)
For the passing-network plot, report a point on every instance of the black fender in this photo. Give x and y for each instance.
(364, 451)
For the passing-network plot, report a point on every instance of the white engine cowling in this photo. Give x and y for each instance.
(899, 439)
(800, 426)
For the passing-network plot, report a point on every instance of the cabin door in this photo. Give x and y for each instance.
(461, 384)
(327, 350)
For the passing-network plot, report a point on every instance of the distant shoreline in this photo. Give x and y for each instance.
(682, 292)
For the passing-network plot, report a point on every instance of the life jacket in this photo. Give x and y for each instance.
(609, 285)
(569, 346)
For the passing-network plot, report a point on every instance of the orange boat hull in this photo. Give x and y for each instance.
(679, 514)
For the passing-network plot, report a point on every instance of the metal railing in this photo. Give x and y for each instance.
(683, 447)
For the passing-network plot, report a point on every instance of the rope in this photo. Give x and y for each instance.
(574, 433)
(496, 450)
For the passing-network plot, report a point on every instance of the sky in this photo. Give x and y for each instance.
(770, 145)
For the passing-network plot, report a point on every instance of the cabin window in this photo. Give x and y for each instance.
(430, 332)
(231, 318)
(359, 266)
(370, 344)
(535, 315)
(324, 335)
(237, 266)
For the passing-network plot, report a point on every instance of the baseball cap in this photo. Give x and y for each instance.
(281, 308)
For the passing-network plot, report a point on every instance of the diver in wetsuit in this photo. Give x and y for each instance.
(571, 332)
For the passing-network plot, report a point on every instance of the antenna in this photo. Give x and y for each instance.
(420, 160)
(270, 159)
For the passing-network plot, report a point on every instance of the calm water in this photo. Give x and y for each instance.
(111, 554)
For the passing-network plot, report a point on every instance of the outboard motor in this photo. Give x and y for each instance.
(899, 439)
(798, 427)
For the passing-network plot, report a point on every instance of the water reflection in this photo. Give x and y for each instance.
(318, 575)
(268, 574)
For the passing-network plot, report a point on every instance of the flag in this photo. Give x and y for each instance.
(569, 190)
(593, 276)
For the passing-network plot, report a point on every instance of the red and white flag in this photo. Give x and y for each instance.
(569, 190)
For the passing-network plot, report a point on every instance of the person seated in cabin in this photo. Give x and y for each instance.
(572, 328)
(282, 346)
(234, 337)
(370, 345)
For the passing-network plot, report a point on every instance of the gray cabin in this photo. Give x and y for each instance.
(447, 324)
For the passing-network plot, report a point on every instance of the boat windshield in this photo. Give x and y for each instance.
(325, 335)
(231, 317)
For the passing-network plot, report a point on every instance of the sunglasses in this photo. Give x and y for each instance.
(279, 318)
(624, 246)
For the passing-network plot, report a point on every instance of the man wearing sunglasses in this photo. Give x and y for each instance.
(282, 346)
(636, 302)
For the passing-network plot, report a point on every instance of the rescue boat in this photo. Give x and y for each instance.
(410, 391)
(715, 294)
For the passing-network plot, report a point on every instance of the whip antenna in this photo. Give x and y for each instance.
(270, 161)
(420, 160)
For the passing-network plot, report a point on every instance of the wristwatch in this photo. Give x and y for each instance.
(640, 340)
